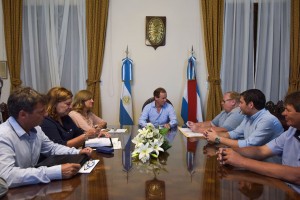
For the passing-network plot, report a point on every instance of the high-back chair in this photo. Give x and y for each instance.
(152, 99)
(276, 110)
(4, 112)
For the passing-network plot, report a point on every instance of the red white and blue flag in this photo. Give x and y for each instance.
(191, 104)
(126, 115)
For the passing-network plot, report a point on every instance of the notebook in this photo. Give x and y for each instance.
(99, 142)
(63, 159)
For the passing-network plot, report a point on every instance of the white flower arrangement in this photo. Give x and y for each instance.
(149, 142)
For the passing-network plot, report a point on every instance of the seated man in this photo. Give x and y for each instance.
(258, 127)
(227, 120)
(159, 112)
(287, 145)
(22, 141)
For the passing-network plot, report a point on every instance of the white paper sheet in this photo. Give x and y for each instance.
(116, 143)
(189, 133)
(88, 166)
(98, 142)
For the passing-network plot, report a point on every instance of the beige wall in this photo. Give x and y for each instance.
(165, 66)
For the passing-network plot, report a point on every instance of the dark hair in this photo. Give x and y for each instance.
(24, 98)
(256, 96)
(54, 96)
(293, 99)
(157, 92)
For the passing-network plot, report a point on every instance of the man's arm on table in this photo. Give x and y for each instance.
(224, 137)
(227, 141)
(219, 129)
(199, 127)
(244, 158)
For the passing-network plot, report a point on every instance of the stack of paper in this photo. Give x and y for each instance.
(98, 142)
(119, 130)
(116, 143)
(189, 133)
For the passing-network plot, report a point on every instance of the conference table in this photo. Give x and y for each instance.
(188, 170)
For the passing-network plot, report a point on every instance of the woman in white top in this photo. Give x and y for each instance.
(81, 112)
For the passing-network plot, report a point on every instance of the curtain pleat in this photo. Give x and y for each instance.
(12, 14)
(212, 12)
(96, 20)
(294, 80)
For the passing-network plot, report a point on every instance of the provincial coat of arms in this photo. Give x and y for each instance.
(126, 100)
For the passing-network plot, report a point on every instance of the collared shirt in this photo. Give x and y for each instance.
(288, 147)
(166, 115)
(20, 151)
(257, 130)
(229, 120)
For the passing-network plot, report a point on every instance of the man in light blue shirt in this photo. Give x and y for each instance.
(22, 141)
(258, 127)
(159, 112)
(227, 120)
(287, 146)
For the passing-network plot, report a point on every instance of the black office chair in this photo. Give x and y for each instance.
(276, 110)
(3, 106)
(152, 99)
(4, 112)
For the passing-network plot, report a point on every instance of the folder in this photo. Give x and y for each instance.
(63, 159)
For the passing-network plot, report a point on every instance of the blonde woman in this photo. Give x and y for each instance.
(82, 113)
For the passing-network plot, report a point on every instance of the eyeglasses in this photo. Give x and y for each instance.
(89, 164)
(224, 101)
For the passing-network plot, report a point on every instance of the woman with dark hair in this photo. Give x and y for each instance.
(58, 126)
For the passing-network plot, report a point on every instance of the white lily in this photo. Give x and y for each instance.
(150, 134)
(145, 151)
(156, 146)
(138, 141)
(148, 143)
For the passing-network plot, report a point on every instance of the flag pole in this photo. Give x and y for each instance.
(192, 51)
(126, 52)
(126, 114)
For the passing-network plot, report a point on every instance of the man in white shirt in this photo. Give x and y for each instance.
(159, 112)
(22, 141)
(227, 120)
(287, 146)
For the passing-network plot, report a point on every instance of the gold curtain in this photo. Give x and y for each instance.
(96, 20)
(212, 13)
(12, 13)
(294, 82)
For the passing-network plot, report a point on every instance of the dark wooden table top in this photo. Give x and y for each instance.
(188, 170)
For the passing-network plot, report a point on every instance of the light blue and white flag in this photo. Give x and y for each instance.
(126, 115)
(191, 106)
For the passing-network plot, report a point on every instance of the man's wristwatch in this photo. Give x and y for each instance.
(217, 140)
